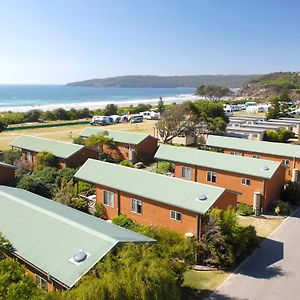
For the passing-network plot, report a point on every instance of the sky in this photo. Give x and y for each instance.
(61, 41)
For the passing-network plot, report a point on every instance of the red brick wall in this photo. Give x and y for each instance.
(156, 213)
(153, 213)
(274, 186)
(80, 157)
(147, 149)
(227, 180)
(289, 170)
(7, 175)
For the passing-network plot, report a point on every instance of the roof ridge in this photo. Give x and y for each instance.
(57, 216)
(47, 139)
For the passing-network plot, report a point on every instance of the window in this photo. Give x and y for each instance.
(127, 146)
(41, 282)
(256, 156)
(235, 153)
(28, 155)
(246, 181)
(286, 162)
(175, 215)
(211, 176)
(136, 206)
(186, 172)
(108, 198)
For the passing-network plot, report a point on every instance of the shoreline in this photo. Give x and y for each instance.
(99, 104)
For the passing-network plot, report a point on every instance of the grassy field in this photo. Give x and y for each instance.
(66, 133)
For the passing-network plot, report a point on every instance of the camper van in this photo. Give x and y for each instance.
(101, 120)
(150, 115)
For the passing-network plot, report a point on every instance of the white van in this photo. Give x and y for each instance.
(150, 115)
(228, 111)
(101, 120)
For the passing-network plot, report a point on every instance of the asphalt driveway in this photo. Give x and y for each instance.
(272, 272)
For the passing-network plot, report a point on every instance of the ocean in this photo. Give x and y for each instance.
(25, 97)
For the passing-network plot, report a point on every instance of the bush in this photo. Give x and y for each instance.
(126, 163)
(224, 242)
(291, 193)
(45, 159)
(37, 185)
(164, 167)
(100, 211)
(79, 140)
(244, 209)
(123, 221)
(281, 208)
(79, 204)
(282, 135)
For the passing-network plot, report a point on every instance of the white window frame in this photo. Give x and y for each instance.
(135, 203)
(41, 282)
(175, 215)
(245, 181)
(28, 155)
(186, 172)
(108, 201)
(256, 156)
(235, 153)
(210, 175)
(286, 162)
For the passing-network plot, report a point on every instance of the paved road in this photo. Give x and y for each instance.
(273, 270)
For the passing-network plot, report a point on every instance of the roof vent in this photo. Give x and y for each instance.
(265, 168)
(79, 256)
(201, 197)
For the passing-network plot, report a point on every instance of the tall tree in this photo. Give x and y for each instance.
(212, 92)
(178, 120)
(110, 109)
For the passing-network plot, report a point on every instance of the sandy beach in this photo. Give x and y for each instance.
(101, 104)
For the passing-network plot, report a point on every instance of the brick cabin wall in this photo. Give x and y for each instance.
(294, 163)
(76, 160)
(32, 271)
(144, 151)
(147, 149)
(7, 175)
(79, 158)
(274, 186)
(226, 180)
(156, 213)
(232, 181)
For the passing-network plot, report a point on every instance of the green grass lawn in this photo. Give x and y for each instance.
(199, 284)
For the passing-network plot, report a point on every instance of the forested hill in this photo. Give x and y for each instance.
(272, 84)
(150, 81)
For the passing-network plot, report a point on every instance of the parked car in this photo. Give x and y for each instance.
(136, 119)
(101, 120)
(228, 112)
(115, 118)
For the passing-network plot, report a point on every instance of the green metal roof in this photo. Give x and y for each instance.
(168, 190)
(226, 162)
(4, 165)
(132, 138)
(37, 144)
(48, 234)
(278, 149)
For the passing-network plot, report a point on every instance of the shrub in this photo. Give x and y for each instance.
(291, 193)
(123, 221)
(126, 163)
(164, 167)
(224, 242)
(11, 156)
(281, 208)
(244, 209)
(79, 140)
(46, 159)
(100, 211)
(79, 204)
(37, 185)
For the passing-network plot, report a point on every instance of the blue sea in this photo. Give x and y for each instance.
(24, 97)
